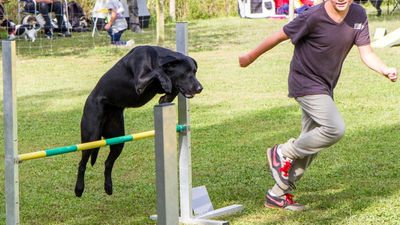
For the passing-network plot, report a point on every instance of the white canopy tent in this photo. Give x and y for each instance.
(261, 9)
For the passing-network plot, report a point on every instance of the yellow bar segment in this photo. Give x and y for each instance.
(90, 145)
(31, 155)
(143, 135)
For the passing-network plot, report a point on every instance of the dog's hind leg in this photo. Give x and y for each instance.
(113, 127)
(90, 131)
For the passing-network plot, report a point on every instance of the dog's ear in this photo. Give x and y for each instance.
(194, 61)
(146, 63)
(171, 59)
(165, 81)
(168, 60)
(145, 79)
(158, 73)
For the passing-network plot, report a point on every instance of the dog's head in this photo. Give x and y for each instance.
(29, 28)
(175, 72)
(180, 74)
(30, 21)
(9, 25)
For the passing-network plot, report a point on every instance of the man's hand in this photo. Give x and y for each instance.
(245, 60)
(390, 73)
(107, 26)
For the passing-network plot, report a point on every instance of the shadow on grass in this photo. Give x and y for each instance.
(344, 181)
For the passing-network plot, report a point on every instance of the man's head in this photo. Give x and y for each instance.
(340, 6)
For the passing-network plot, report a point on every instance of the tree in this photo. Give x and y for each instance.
(172, 13)
(160, 21)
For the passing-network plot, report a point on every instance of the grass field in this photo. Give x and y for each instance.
(240, 113)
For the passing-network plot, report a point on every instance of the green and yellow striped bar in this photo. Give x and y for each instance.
(91, 145)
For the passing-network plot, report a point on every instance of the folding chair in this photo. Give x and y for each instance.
(100, 11)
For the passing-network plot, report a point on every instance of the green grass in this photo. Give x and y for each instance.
(240, 113)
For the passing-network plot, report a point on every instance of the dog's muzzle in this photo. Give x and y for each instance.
(197, 88)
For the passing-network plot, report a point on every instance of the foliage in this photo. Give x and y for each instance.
(202, 9)
(185, 9)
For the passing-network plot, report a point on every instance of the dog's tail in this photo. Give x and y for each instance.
(93, 156)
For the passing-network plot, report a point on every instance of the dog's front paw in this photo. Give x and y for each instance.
(163, 99)
(167, 98)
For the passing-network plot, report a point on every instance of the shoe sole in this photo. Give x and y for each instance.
(280, 208)
(266, 205)
(273, 172)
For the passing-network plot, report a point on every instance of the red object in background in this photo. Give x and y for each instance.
(279, 3)
(307, 2)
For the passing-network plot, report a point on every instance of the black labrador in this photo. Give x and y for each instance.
(133, 81)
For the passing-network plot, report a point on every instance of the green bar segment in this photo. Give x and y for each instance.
(61, 150)
(181, 128)
(119, 140)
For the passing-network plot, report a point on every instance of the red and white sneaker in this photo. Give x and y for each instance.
(280, 167)
(283, 202)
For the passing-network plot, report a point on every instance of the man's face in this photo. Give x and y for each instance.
(341, 5)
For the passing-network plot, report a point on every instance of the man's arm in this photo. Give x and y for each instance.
(267, 44)
(372, 61)
(113, 17)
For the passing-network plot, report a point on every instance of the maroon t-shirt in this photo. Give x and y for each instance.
(321, 45)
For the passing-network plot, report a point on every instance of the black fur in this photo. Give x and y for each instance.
(133, 81)
(9, 25)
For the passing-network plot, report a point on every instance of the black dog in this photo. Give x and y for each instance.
(133, 81)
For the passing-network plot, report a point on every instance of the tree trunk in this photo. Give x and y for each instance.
(172, 13)
(227, 7)
(160, 21)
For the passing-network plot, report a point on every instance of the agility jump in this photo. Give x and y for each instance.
(168, 199)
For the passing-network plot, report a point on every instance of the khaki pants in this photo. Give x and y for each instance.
(322, 126)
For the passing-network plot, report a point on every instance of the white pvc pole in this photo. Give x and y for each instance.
(10, 133)
(185, 161)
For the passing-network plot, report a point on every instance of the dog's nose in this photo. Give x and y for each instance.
(199, 88)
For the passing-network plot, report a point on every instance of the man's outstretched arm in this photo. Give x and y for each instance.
(267, 44)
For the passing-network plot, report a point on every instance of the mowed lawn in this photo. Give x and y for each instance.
(240, 113)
